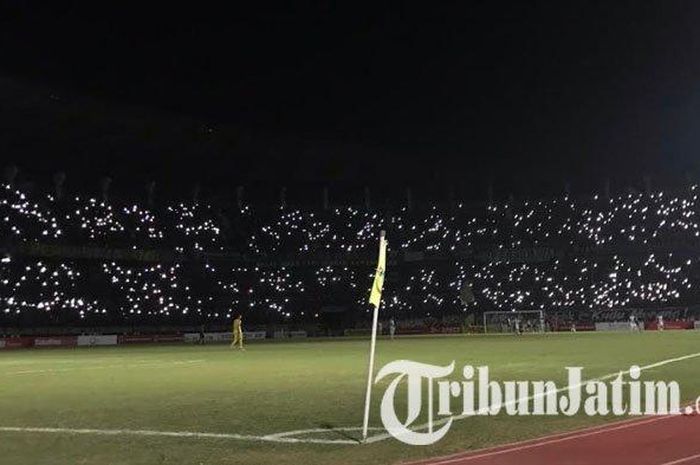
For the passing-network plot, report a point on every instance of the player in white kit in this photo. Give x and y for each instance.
(660, 322)
(633, 323)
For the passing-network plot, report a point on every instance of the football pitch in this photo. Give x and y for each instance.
(143, 404)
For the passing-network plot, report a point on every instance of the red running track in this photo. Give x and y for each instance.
(663, 440)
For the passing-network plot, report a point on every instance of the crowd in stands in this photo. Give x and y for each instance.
(67, 259)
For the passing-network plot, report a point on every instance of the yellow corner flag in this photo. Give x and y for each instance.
(376, 295)
(375, 298)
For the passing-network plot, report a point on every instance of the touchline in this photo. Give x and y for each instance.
(475, 394)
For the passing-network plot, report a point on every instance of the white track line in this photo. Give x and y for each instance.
(524, 442)
(546, 442)
(683, 460)
(287, 436)
(381, 437)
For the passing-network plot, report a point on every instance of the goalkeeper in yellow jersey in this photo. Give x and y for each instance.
(237, 332)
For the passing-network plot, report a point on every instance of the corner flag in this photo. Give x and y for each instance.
(375, 297)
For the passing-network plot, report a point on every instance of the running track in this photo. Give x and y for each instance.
(666, 440)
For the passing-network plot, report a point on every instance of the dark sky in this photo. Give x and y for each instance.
(429, 94)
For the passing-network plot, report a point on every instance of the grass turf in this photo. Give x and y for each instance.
(276, 387)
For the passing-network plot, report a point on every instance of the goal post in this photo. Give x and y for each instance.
(515, 321)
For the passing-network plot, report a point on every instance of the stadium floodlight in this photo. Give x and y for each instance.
(514, 321)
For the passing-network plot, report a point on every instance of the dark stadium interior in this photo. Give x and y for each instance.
(460, 95)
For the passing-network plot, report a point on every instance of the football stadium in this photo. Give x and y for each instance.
(324, 233)
(117, 322)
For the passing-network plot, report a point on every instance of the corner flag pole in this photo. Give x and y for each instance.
(375, 299)
(368, 395)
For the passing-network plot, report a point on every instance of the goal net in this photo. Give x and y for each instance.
(521, 321)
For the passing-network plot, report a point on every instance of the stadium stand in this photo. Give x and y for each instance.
(91, 262)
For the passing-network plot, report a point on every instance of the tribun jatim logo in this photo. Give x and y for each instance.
(476, 395)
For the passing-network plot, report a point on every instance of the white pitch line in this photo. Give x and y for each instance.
(72, 360)
(175, 434)
(102, 367)
(286, 436)
(301, 432)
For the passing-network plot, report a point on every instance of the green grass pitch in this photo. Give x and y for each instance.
(277, 387)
